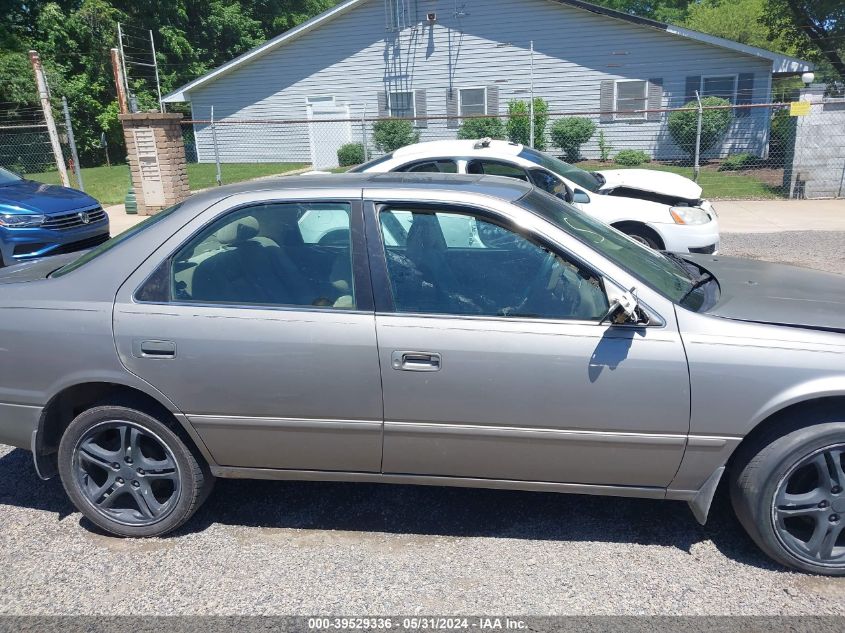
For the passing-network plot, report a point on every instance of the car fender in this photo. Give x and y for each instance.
(41, 453)
(826, 387)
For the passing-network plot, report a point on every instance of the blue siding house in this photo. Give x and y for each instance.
(438, 60)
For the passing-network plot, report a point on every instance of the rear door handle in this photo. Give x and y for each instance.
(416, 361)
(154, 349)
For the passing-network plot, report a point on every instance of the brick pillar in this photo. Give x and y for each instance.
(156, 155)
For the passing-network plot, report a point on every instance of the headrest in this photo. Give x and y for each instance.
(238, 231)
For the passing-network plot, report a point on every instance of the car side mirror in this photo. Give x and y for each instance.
(623, 310)
(580, 197)
(567, 194)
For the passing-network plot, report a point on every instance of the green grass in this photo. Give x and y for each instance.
(714, 184)
(109, 184)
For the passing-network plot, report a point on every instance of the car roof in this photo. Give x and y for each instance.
(508, 189)
(458, 148)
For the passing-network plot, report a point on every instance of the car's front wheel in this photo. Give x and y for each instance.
(129, 473)
(788, 490)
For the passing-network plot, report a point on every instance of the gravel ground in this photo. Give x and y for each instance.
(316, 548)
(822, 250)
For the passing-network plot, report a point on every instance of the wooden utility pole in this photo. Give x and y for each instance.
(44, 96)
(119, 82)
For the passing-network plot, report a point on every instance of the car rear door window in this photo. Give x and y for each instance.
(433, 166)
(281, 254)
(463, 264)
(496, 168)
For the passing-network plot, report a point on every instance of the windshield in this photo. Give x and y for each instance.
(129, 233)
(669, 275)
(7, 177)
(580, 177)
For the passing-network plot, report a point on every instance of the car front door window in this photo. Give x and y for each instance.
(462, 264)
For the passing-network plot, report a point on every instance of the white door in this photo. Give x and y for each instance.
(329, 128)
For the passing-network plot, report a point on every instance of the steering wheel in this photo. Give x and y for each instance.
(539, 281)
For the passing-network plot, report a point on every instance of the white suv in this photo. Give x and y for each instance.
(660, 209)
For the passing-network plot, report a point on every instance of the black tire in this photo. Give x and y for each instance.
(644, 236)
(135, 502)
(784, 499)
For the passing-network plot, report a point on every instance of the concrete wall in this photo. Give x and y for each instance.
(818, 161)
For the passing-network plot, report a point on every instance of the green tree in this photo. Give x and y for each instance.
(737, 20)
(519, 122)
(816, 28)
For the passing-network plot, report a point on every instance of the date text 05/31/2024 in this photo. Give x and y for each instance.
(419, 623)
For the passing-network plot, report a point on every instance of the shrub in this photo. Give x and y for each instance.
(714, 124)
(391, 134)
(735, 162)
(519, 124)
(482, 128)
(631, 158)
(571, 133)
(350, 154)
(604, 147)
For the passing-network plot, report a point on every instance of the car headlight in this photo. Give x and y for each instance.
(21, 220)
(689, 215)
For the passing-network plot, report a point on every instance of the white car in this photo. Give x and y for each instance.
(660, 209)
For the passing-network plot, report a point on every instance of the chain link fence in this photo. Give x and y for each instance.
(25, 146)
(753, 151)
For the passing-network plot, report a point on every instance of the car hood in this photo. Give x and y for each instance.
(652, 181)
(34, 197)
(752, 290)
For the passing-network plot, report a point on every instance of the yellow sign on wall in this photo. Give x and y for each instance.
(799, 108)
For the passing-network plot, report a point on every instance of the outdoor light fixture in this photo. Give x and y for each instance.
(808, 78)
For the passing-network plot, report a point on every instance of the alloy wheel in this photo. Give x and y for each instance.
(127, 473)
(808, 510)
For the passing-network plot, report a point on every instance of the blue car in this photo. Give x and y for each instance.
(37, 220)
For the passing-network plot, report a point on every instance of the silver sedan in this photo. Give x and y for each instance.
(425, 329)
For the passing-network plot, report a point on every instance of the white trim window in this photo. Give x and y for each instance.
(473, 101)
(723, 86)
(630, 95)
(319, 99)
(402, 104)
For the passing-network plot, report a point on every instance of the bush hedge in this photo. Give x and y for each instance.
(735, 162)
(570, 133)
(631, 158)
(391, 134)
(350, 154)
(714, 123)
(482, 128)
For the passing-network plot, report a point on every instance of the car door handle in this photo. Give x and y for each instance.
(155, 349)
(416, 361)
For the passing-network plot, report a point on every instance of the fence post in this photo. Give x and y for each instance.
(364, 132)
(44, 97)
(531, 106)
(696, 168)
(218, 176)
(77, 168)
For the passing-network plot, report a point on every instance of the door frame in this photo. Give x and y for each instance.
(173, 244)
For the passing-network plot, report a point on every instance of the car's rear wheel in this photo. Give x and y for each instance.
(788, 491)
(129, 473)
